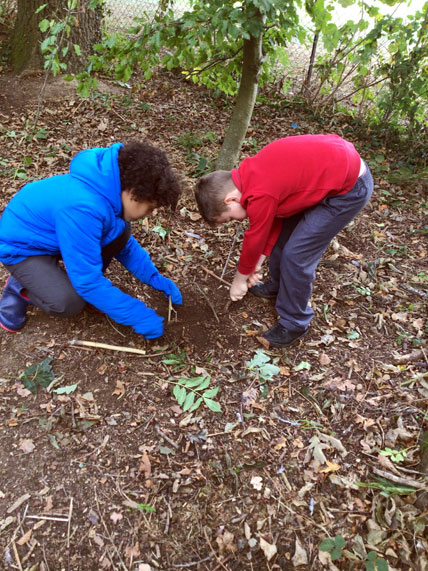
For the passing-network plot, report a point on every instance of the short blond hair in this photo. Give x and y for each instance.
(210, 192)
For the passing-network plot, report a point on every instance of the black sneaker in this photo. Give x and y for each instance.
(267, 290)
(279, 336)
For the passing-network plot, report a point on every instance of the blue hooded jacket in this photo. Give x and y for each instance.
(75, 215)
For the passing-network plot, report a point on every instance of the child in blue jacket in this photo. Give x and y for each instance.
(83, 218)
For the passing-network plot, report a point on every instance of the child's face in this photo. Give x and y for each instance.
(133, 209)
(234, 211)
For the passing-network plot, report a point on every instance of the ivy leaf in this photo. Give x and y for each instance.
(40, 373)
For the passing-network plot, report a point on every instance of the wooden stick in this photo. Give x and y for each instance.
(215, 276)
(105, 346)
(167, 438)
(398, 479)
(70, 512)
(65, 519)
(15, 551)
(209, 303)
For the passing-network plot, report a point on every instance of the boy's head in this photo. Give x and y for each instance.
(218, 198)
(146, 175)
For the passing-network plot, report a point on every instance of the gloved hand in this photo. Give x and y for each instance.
(151, 326)
(167, 286)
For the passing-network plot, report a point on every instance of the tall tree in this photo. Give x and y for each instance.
(55, 33)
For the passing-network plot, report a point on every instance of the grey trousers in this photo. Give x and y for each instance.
(47, 284)
(304, 238)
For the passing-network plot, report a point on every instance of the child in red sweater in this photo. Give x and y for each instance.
(298, 193)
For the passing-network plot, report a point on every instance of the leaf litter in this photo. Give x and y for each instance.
(289, 449)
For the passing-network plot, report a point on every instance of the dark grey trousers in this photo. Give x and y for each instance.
(47, 284)
(304, 238)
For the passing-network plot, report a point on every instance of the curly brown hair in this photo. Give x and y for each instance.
(146, 171)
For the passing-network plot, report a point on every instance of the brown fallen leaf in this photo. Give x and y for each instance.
(25, 538)
(119, 390)
(269, 549)
(145, 465)
(226, 542)
(331, 467)
(26, 445)
(115, 517)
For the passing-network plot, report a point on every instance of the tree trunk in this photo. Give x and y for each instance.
(85, 31)
(245, 100)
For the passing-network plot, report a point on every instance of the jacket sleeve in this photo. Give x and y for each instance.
(79, 233)
(137, 261)
(261, 214)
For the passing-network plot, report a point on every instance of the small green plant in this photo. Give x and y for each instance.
(333, 546)
(38, 374)
(189, 142)
(263, 370)
(160, 230)
(362, 290)
(260, 366)
(375, 563)
(146, 508)
(395, 455)
(190, 393)
(178, 361)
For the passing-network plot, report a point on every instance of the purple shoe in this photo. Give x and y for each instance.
(13, 306)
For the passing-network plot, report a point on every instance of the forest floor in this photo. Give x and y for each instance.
(102, 469)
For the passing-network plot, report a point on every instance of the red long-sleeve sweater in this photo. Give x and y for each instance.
(286, 177)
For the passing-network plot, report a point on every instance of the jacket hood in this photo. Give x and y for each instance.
(99, 169)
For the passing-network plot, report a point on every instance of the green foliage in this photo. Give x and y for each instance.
(387, 488)
(333, 546)
(161, 231)
(190, 141)
(375, 563)
(205, 42)
(261, 367)
(38, 374)
(389, 87)
(190, 393)
(395, 455)
(147, 508)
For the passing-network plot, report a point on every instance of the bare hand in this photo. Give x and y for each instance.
(239, 287)
(254, 278)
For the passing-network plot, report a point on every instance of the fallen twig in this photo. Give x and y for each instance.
(105, 346)
(159, 431)
(230, 253)
(46, 517)
(108, 533)
(414, 290)
(413, 356)
(209, 303)
(192, 563)
(70, 512)
(215, 276)
(142, 352)
(15, 551)
(398, 479)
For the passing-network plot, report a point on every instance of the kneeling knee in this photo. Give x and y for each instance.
(66, 307)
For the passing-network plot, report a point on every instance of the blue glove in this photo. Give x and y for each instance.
(167, 286)
(151, 326)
